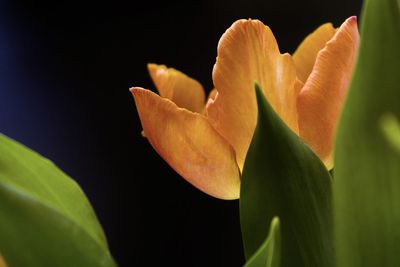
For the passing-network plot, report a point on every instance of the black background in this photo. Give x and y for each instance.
(65, 70)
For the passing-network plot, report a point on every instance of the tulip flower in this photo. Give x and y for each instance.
(206, 141)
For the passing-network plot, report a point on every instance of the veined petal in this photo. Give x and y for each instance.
(321, 99)
(178, 87)
(306, 54)
(189, 144)
(248, 52)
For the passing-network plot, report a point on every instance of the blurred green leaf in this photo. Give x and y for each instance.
(45, 218)
(367, 167)
(269, 253)
(391, 129)
(283, 177)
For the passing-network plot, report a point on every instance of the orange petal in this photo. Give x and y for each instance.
(210, 100)
(248, 52)
(212, 94)
(189, 144)
(306, 54)
(321, 99)
(178, 87)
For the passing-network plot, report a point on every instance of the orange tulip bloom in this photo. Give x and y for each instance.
(206, 141)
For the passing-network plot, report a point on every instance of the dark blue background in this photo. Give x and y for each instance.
(65, 70)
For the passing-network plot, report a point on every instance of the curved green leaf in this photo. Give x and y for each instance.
(33, 234)
(269, 253)
(367, 167)
(32, 186)
(283, 177)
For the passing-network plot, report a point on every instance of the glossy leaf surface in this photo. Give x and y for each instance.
(283, 177)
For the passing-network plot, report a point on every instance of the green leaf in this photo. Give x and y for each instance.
(367, 167)
(269, 253)
(391, 129)
(33, 234)
(283, 177)
(45, 218)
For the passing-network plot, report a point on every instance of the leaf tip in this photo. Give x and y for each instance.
(390, 128)
(259, 92)
(275, 222)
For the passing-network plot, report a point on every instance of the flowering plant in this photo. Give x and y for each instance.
(309, 143)
(207, 143)
(274, 146)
